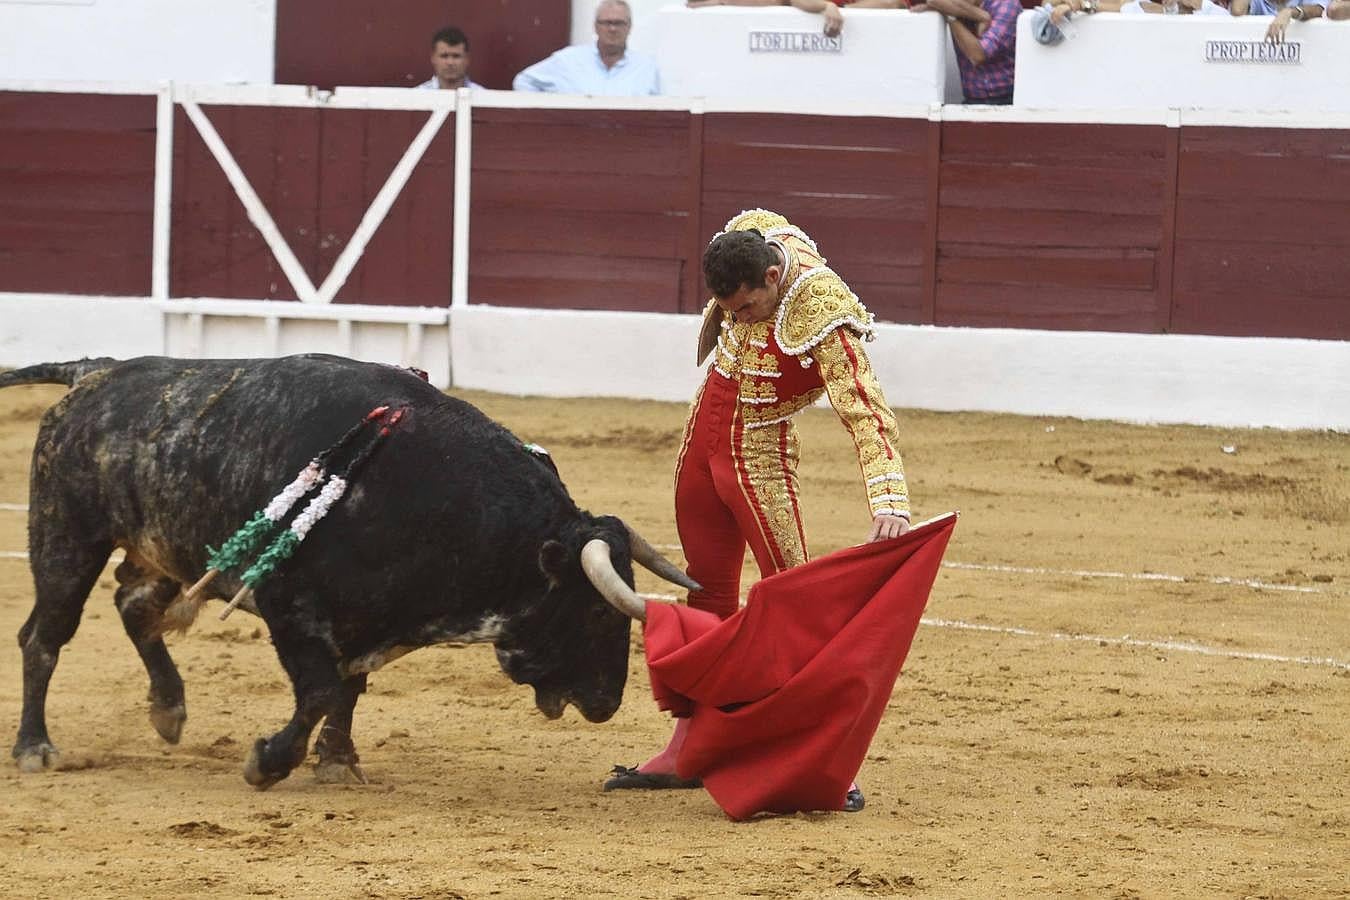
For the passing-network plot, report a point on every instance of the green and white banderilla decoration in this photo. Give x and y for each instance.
(264, 525)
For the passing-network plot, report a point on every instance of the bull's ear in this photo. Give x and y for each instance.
(553, 562)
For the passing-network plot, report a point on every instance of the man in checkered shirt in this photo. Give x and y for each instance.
(984, 33)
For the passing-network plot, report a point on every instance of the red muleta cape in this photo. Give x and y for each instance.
(786, 695)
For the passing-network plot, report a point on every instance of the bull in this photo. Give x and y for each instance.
(453, 532)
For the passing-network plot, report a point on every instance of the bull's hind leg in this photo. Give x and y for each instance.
(64, 571)
(141, 600)
(338, 759)
(304, 647)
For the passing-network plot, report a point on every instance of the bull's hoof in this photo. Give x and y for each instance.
(253, 770)
(37, 758)
(338, 772)
(168, 721)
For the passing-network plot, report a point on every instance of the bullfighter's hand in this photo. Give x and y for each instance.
(886, 526)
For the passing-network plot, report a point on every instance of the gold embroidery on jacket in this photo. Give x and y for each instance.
(868, 419)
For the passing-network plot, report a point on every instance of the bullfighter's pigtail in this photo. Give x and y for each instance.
(286, 543)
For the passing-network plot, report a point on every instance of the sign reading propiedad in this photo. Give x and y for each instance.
(1289, 53)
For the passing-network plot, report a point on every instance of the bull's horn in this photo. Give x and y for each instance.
(599, 569)
(645, 555)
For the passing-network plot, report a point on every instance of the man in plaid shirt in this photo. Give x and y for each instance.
(984, 33)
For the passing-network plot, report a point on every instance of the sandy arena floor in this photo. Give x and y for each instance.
(1055, 732)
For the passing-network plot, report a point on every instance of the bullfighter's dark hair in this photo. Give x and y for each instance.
(451, 36)
(737, 258)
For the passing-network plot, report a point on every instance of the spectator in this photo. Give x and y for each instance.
(984, 33)
(1137, 7)
(449, 61)
(606, 68)
(1284, 13)
(834, 20)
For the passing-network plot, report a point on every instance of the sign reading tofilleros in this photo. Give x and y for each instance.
(794, 42)
(1290, 53)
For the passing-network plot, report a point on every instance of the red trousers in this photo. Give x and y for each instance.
(735, 486)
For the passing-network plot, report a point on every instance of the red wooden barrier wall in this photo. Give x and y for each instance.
(1052, 226)
(858, 186)
(1230, 231)
(580, 211)
(1263, 232)
(316, 171)
(76, 193)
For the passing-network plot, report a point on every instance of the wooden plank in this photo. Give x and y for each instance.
(1062, 267)
(81, 113)
(693, 293)
(1037, 306)
(650, 143)
(1121, 147)
(408, 260)
(1048, 228)
(76, 193)
(905, 137)
(27, 150)
(1284, 313)
(202, 209)
(1279, 222)
(582, 232)
(385, 265)
(1259, 269)
(1167, 243)
(1138, 191)
(342, 193)
(552, 281)
(597, 193)
(927, 314)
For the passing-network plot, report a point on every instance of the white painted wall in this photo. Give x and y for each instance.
(891, 57)
(138, 40)
(1130, 377)
(1118, 61)
(1236, 382)
(38, 328)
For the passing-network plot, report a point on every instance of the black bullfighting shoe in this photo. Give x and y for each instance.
(624, 778)
(853, 800)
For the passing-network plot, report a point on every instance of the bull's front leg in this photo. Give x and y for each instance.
(338, 759)
(304, 647)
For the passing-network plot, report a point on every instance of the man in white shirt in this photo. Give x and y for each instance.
(606, 68)
(449, 61)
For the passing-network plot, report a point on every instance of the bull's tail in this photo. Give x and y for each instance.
(66, 373)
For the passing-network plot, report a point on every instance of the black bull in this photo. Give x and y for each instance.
(451, 531)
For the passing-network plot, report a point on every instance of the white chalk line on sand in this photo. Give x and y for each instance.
(1099, 639)
(14, 507)
(13, 554)
(1252, 583)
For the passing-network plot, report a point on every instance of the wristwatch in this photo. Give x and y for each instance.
(1296, 12)
(1089, 6)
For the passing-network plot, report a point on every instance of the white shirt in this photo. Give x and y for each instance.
(580, 70)
(433, 85)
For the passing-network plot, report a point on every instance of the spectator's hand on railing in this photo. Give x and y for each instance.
(695, 4)
(1275, 33)
(834, 20)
